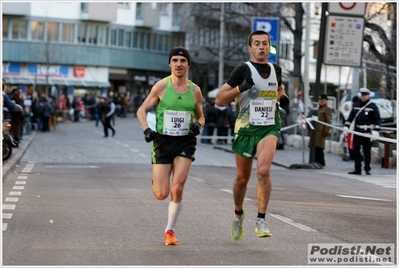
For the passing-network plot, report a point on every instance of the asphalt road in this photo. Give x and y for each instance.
(76, 198)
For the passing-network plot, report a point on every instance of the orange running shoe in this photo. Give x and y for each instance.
(170, 238)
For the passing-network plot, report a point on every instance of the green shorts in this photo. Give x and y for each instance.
(245, 143)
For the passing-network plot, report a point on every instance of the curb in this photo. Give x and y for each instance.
(17, 154)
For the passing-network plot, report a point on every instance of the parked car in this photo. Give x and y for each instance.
(376, 96)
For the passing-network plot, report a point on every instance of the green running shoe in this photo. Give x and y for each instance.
(261, 228)
(236, 230)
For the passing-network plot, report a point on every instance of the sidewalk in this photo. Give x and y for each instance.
(296, 158)
(290, 157)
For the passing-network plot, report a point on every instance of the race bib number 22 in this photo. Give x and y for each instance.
(262, 112)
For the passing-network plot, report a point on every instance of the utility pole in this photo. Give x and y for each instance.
(221, 49)
(306, 70)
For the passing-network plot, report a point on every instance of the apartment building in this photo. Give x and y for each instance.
(79, 47)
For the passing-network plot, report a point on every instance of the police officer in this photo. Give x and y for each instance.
(367, 120)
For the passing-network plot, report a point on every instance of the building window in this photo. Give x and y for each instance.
(37, 29)
(285, 47)
(123, 4)
(128, 38)
(18, 28)
(15, 27)
(102, 35)
(155, 41)
(23, 26)
(67, 32)
(82, 33)
(120, 37)
(148, 41)
(160, 42)
(5, 28)
(52, 31)
(113, 37)
(139, 11)
(92, 33)
(141, 40)
(166, 46)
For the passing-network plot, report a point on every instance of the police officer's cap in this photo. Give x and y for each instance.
(364, 90)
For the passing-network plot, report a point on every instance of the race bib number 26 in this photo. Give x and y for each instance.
(176, 123)
(262, 112)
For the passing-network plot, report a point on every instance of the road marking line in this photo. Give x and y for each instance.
(22, 177)
(197, 179)
(18, 187)
(72, 167)
(4, 226)
(143, 155)
(291, 222)
(7, 215)
(231, 192)
(364, 198)
(20, 182)
(9, 207)
(15, 193)
(11, 199)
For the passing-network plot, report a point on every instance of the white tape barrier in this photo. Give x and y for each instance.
(357, 133)
(151, 123)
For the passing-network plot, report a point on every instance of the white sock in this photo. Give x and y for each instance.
(173, 214)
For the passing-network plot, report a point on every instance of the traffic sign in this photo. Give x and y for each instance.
(344, 41)
(271, 26)
(347, 8)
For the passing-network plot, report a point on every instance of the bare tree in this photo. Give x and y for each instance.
(380, 36)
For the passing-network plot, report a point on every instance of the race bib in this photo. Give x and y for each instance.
(261, 112)
(176, 123)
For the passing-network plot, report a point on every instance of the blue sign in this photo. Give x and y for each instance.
(271, 26)
(52, 70)
(11, 68)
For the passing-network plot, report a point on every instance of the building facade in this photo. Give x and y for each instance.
(93, 47)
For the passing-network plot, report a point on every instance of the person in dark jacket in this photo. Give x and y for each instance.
(210, 121)
(17, 115)
(366, 117)
(222, 123)
(46, 110)
(8, 104)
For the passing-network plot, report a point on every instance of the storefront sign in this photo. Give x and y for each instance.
(140, 78)
(152, 80)
(51, 70)
(79, 71)
(11, 68)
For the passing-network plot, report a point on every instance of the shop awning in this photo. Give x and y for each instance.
(54, 81)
